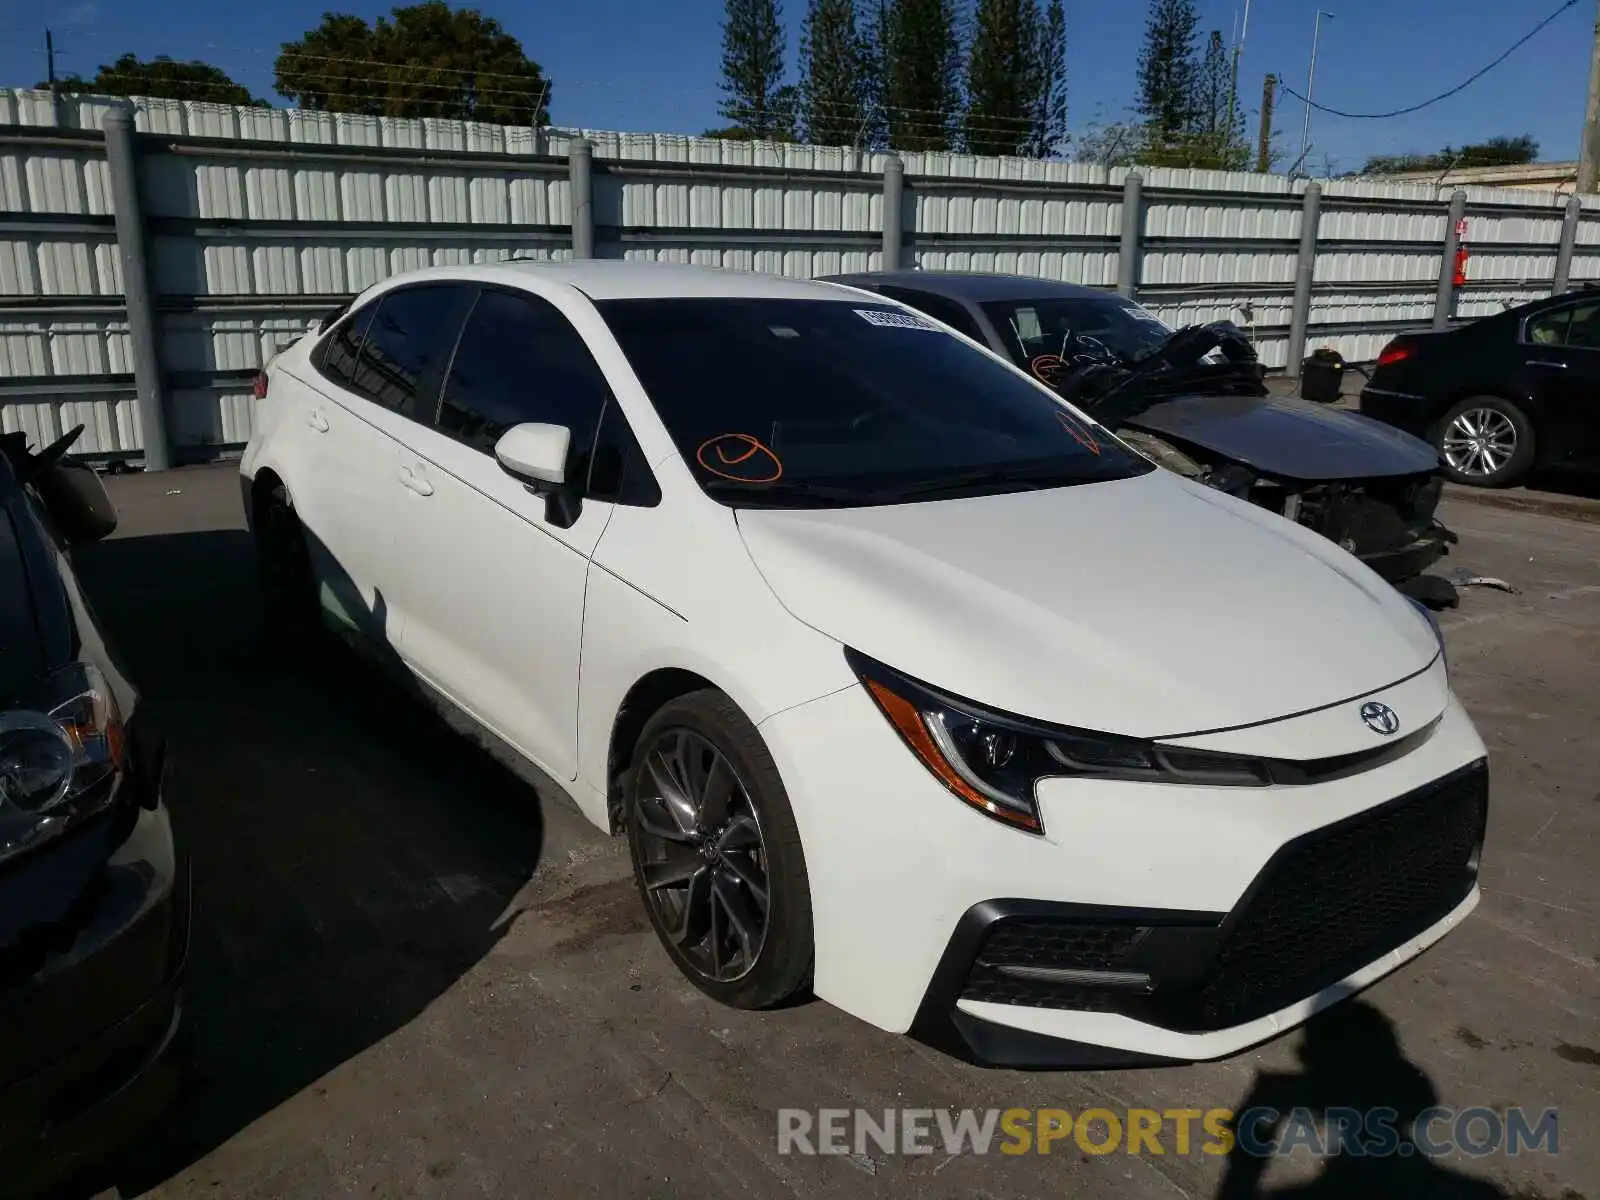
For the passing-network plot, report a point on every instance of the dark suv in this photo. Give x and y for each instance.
(94, 893)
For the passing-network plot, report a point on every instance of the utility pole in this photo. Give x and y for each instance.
(1589, 161)
(1269, 92)
(50, 59)
(1233, 86)
(1311, 83)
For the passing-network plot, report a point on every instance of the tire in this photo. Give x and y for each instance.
(288, 584)
(1485, 441)
(702, 863)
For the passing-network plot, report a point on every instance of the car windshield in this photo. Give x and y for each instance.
(789, 403)
(1043, 336)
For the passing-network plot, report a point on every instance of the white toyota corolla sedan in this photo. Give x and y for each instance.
(906, 683)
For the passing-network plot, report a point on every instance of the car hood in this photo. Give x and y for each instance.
(1289, 437)
(1148, 606)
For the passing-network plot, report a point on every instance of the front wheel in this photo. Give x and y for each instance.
(716, 853)
(1485, 441)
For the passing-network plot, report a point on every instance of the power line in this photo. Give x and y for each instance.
(1460, 87)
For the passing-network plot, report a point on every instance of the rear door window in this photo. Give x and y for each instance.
(1570, 325)
(408, 346)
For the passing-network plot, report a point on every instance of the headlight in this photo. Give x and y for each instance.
(993, 761)
(60, 747)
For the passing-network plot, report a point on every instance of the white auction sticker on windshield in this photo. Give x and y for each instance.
(895, 320)
(1140, 313)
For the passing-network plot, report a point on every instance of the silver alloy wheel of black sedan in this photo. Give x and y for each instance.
(703, 860)
(1479, 442)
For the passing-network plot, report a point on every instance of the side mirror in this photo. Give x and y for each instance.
(76, 501)
(535, 453)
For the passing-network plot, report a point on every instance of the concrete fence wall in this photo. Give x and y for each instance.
(149, 267)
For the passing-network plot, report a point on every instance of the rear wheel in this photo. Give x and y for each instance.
(288, 584)
(1485, 441)
(716, 853)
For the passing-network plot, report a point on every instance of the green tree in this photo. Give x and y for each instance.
(1168, 73)
(1218, 141)
(425, 60)
(1049, 134)
(163, 78)
(1003, 77)
(922, 74)
(1110, 143)
(1496, 152)
(755, 100)
(833, 64)
(875, 75)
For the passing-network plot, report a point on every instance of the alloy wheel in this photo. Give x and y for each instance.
(1480, 442)
(703, 861)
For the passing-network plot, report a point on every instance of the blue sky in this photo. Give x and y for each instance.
(652, 65)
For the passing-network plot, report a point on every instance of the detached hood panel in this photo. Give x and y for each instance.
(1149, 606)
(1287, 436)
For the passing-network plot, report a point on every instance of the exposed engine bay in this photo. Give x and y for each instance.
(1199, 406)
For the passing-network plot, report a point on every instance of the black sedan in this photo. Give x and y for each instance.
(94, 894)
(1501, 395)
(1195, 402)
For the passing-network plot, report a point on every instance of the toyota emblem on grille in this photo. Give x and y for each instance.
(1379, 718)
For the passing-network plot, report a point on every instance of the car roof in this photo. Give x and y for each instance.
(617, 279)
(974, 286)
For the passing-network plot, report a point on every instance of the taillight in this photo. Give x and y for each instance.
(259, 385)
(1395, 352)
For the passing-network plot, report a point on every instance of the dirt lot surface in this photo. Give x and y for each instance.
(412, 976)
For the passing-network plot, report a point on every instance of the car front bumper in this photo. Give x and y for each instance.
(90, 1002)
(1151, 922)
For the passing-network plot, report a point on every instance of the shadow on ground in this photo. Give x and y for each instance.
(1351, 1068)
(352, 857)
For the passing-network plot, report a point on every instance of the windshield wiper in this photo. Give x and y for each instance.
(1029, 478)
(783, 490)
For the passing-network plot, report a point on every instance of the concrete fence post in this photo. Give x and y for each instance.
(580, 172)
(894, 191)
(1569, 241)
(1130, 249)
(1444, 298)
(1305, 268)
(122, 162)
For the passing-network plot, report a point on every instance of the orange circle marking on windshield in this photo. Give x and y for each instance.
(736, 450)
(1046, 367)
(1080, 432)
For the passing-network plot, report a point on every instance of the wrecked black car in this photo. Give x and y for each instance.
(1195, 401)
(94, 890)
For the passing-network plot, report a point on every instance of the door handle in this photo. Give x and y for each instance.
(317, 421)
(1546, 362)
(415, 482)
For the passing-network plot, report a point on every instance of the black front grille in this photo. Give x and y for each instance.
(1342, 897)
(1326, 905)
(1063, 945)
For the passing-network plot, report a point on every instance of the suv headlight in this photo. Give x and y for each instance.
(61, 745)
(993, 761)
